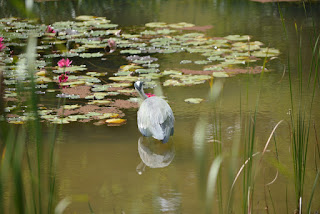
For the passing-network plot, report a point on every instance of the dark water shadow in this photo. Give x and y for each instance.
(154, 154)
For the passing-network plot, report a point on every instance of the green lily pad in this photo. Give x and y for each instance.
(214, 68)
(237, 37)
(60, 120)
(132, 51)
(96, 74)
(151, 75)
(90, 55)
(194, 100)
(123, 73)
(107, 115)
(93, 114)
(71, 69)
(85, 18)
(147, 70)
(220, 74)
(69, 107)
(181, 25)
(130, 67)
(41, 80)
(77, 117)
(100, 95)
(99, 102)
(124, 78)
(185, 61)
(151, 65)
(130, 36)
(149, 32)
(215, 58)
(171, 82)
(170, 72)
(73, 83)
(201, 62)
(156, 24)
(247, 46)
(126, 91)
(266, 52)
(165, 31)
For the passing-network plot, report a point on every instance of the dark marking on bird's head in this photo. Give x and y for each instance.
(138, 85)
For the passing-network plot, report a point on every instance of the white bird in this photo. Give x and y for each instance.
(155, 117)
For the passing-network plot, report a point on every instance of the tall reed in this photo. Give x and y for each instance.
(301, 112)
(23, 171)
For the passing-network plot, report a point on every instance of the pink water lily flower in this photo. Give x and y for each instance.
(2, 46)
(150, 95)
(50, 29)
(63, 78)
(112, 45)
(64, 63)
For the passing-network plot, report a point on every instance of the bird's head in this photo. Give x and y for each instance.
(138, 85)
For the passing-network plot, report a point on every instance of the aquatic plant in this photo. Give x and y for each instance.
(50, 29)
(63, 63)
(112, 45)
(2, 46)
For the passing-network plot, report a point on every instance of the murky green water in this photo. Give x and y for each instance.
(103, 164)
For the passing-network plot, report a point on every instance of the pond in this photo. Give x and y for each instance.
(110, 168)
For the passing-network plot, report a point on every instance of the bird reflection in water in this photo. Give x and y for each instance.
(154, 154)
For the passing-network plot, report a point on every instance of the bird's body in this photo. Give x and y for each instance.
(155, 117)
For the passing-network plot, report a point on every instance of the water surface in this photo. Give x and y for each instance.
(99, 163)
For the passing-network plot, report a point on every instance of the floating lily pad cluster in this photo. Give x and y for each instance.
(100, 96)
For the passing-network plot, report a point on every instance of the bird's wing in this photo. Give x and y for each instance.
(155, 117)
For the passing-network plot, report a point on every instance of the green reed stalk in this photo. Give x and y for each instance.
(247, 182)
(312, 192)
(300, 117)
(25, 142)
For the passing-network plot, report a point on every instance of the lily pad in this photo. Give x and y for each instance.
(132, 51)
(96, 74)
(238, 37)
(116, 121)
(220, 74)
(147, 70)
(73, 83)
(171, 82)
(124, 78)
(185, 61)
(170, 72)
(194, 100)
(266, 52)
(100, 95)
(156, 24)
(69, 107)
(130, 67)
(108, 115)
(99, 102)
(90, 55)
(181, 25)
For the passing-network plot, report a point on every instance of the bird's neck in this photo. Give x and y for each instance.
(142, 94)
